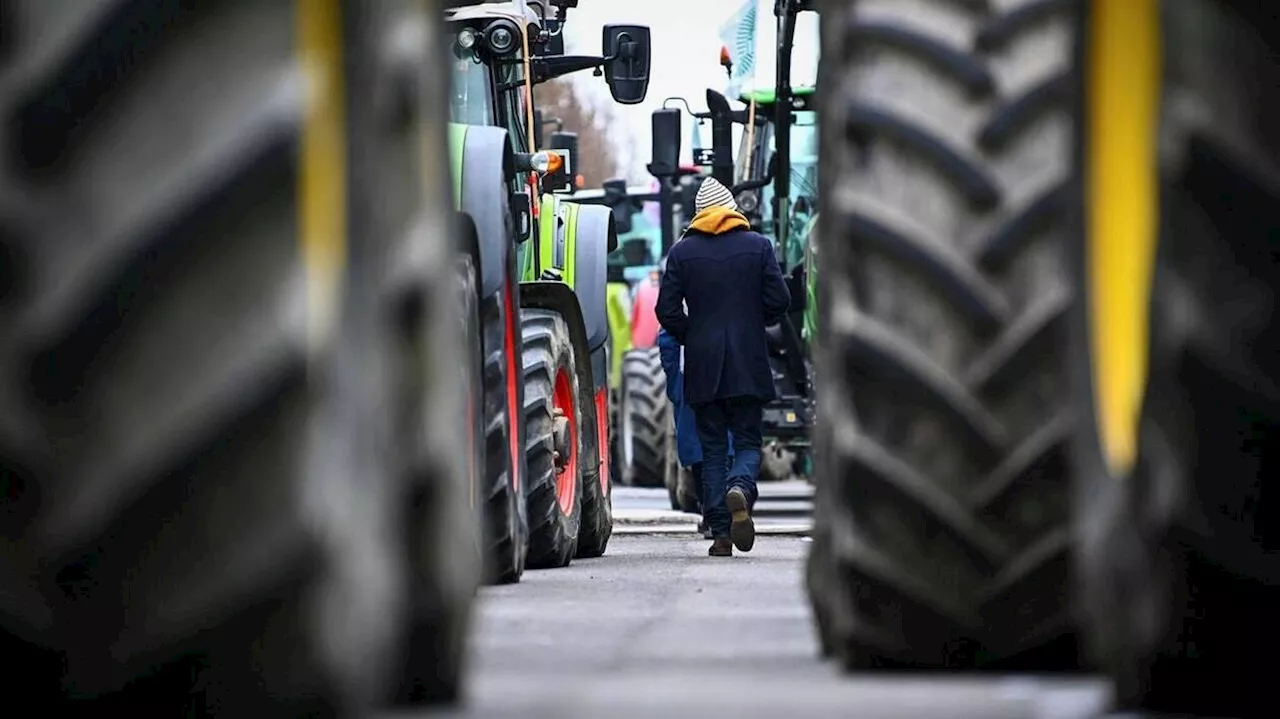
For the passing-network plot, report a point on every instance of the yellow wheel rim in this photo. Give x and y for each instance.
(1122, 117)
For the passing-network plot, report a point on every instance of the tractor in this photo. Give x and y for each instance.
(761, 177)
(232, 472)
(778, 151)
(541, 280)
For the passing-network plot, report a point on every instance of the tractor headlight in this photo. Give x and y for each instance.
(467, 38)
(748, 201)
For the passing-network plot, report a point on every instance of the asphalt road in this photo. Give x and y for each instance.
(658, 629)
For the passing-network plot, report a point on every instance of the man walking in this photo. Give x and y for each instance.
(729, 279)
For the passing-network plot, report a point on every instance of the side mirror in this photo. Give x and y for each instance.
(566, 145)
(559, 177)
(626, 69)
(665, 156)
(522, 215)
(615, 198)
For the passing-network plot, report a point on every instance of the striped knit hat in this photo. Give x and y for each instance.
(713, 194)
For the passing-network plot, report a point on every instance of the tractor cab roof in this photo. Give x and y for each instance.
(587, 196)
(517, 11)
(804, 96)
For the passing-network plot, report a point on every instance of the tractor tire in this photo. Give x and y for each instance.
(505, 517)
(597, 485)
(941, 538)
(671, 475)
(688, 493)
(207, 501)
(555, 494)
(1177, 563)
(646, 419)
(776, 463)
(445, 525)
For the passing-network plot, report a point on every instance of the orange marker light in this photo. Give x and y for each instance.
(555, 162)
(725, 60)
(580, 182)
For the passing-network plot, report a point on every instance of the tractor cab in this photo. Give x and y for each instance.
(500, 51)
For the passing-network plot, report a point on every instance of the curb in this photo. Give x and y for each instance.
(776, 530)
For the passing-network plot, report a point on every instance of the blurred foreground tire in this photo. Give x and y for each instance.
(228, 483)
(1179, 524)
(941, 523)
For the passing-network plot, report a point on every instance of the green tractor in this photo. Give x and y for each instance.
(778, 151)
(541, 264)
(765, 156)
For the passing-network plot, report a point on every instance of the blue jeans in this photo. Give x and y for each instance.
(741, 417)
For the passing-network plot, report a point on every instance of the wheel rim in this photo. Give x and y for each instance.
(567, 479)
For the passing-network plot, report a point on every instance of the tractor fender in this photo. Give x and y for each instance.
(595, 235)
(560, 298)
(618, 295)
(483, 160)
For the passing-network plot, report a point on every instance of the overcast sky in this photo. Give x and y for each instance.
(686, 54)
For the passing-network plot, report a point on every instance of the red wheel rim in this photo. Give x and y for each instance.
(567, 481)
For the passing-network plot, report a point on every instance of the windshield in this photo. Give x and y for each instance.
(804, 176)
(640, 249)
(471, 96)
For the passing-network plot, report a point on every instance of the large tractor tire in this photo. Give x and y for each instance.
(1178, 516)
(597, 484)
(205, 448)
(941, 536)
(553, 420)
(688, 494)
(671, 475)
(506, 522)
(646, 419)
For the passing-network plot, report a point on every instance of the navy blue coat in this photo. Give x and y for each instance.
(688, 446)
(730, 280)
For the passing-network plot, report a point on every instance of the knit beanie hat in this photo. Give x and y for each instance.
(713, 194)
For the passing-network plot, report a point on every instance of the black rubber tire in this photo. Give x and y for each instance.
(506, 521)
(646, 415)
(941, 537)
(671, 475)
(444, 532)
(553, 532)
(688, 493)
(1177, 563)
(597, 485)
(208, 505)
(776, 463)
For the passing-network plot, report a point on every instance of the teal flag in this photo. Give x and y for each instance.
(739, 36)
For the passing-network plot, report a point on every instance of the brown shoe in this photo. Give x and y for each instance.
(742, 529)
(721, 547)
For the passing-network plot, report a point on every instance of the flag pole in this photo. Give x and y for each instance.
(751, 116)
